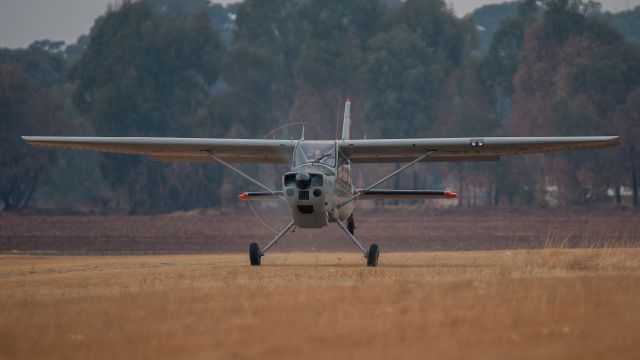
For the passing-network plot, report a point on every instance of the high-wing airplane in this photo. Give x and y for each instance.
(319, 190)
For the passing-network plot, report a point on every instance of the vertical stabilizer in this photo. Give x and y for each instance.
(346, 123)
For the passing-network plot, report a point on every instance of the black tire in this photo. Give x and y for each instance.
(255, 254)
(351, 225)
(372, 255)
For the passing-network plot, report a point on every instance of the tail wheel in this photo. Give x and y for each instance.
(255, 254)
(372, 255)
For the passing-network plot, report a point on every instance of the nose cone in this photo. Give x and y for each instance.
(303, 180)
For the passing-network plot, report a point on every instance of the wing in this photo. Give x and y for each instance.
(178, 149)
(464, 149)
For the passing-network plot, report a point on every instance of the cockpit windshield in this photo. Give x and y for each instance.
(315, 153)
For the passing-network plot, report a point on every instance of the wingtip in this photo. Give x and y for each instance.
(615, 140)
(244, 196)
(29, 140)
(451, 195)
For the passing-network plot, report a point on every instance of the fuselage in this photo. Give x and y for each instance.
(318, 183)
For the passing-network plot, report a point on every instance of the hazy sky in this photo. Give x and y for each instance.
(23, 21)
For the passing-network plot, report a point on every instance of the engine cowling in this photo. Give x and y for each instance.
(305, 193)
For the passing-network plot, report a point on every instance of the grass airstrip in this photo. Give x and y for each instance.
(552, 303)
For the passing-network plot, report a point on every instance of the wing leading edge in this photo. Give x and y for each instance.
(358, 151)
(178, 149)
(465, 149)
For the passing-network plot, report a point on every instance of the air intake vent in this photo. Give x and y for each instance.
(305, 209)
(289, 179)
(303, 195)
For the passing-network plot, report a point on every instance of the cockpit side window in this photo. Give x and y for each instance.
(315, 153)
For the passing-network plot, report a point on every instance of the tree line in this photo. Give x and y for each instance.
(193, 69)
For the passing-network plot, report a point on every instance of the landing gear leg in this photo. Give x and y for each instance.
(255, 254)
(371, 255)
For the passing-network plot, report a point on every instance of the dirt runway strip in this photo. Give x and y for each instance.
(525, 304)
(394, 229)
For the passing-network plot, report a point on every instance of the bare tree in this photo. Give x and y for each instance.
(25, 108)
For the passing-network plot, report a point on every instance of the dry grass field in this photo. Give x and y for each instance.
(451, 284)
(552, 303)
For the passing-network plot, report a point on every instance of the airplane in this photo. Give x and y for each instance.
(319, 189)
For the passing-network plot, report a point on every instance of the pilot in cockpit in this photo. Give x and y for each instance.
(315, 154)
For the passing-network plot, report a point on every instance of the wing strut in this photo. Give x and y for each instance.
(362, 192)
(240, 172)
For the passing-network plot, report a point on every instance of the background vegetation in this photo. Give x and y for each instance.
(190, 68)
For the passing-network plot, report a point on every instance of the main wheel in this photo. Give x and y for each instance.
(255, 254)
(351, 225)
(372, 255)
